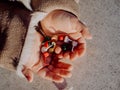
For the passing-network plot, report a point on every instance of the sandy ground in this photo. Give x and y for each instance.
(99, 69)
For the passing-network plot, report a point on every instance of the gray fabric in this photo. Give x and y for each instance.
(13, 28)
(49, 5)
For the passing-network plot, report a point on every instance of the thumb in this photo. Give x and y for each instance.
(85, 32)
(75, 36)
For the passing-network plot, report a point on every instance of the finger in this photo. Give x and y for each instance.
(78, 50)
(81, 49)
(61, 72)
(45, 73)
(42, 72)
(84, 31)
(54, 77)
(86, 34)
(81, 40)
(37, 66)
(66, 55)
(73, 55)
(75, 36)
(28, 74)
(64, 66)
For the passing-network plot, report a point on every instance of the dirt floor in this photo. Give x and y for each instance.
(99, 69)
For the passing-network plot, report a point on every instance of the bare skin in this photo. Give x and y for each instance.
(57, 22)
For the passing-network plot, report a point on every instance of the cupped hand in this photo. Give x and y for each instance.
(58, 22)
(55, 71)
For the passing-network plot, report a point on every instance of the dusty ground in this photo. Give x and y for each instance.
(99, 69)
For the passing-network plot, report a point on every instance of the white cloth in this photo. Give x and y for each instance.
(26, 52)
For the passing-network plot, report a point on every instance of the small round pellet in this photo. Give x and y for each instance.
(58, 50)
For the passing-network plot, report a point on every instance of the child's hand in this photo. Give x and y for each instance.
(54, 72)
(57, 22)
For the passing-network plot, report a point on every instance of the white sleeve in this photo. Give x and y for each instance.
(30, 37)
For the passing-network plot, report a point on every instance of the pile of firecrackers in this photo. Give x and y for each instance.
(50, 50)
